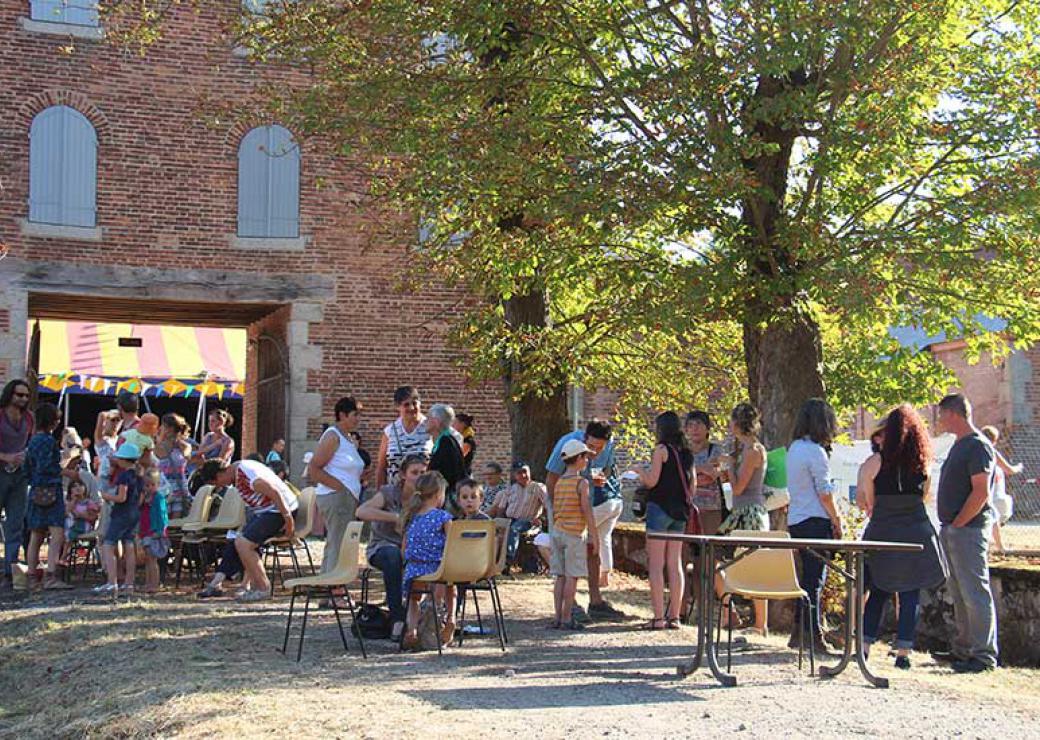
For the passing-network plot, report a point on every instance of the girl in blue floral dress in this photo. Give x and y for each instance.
(425, 525)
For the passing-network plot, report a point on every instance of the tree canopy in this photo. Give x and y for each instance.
(710, 198)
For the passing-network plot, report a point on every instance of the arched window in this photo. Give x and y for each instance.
(62, 168)
(268, 184)
(73, 12)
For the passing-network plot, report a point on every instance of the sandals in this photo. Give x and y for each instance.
(654, 625)
(673, 624)
(572, 626)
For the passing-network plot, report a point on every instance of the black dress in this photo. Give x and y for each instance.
(900, 516)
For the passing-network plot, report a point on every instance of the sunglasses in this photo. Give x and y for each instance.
(21, 395)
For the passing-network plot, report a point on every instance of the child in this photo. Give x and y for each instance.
(46, 512)
(425, 525)
(153, 528)
(572, 521)
(471, 498)
(123, 521)
(143, 436)
(80, 516)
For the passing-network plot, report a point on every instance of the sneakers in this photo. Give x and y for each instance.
(605, 610)
(250, 597)
(579, 615)
(945, 656)
(971, 665)
(56, 584)
(110, 589)
(210, 592)
(903, 662)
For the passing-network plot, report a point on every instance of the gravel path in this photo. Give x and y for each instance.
(74, 665)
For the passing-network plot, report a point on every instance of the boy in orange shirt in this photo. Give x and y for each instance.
(573, 524)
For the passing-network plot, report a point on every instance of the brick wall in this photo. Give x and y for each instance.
(167, 200)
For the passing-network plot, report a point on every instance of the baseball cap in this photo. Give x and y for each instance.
(521, 465)
(573, 448)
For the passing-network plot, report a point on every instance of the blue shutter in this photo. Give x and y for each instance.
(45, 155)
(79, 171)
(252, 184)
(268, 184)
(77, 12)
(284, 191)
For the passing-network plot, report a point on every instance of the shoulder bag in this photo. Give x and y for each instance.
(693, 519)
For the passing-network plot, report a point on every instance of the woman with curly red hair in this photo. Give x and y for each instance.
(895, 486)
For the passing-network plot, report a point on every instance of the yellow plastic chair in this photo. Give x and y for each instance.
(764, 574)
(345, 573)
(187, 543)
(281, 546)
(469, 556)
(230, 516)
(490, 585)
(198, 512)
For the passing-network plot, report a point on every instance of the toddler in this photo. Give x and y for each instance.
(154, 518)
(470, 495)
(123, 520)
(425, 525)
(81, 514)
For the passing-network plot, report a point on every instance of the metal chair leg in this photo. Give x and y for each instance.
(801, 622)
(288, 621)
(339, 622)
(353, 621)
(460, 608)
(303, 630)
(436, 618)
(812, 641)
(407, 606)
(500, 618)
(310, 560)
(729, 636)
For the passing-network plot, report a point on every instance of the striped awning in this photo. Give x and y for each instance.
(174, 352)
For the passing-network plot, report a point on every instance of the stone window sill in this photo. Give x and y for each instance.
(60, 231)
(269, 244)
(57, 28)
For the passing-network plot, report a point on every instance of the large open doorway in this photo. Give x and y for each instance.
(182, 357)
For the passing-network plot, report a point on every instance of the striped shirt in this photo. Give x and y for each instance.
(248, 472)
(567, 514)
(402, 443)
(520, 502)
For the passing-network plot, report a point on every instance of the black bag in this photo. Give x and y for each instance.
(45, 496)
(373, 622)
(639, 498)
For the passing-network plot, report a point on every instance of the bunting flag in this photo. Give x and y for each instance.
(58, 383)
(173, 386)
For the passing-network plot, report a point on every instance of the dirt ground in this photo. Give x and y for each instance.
(75, 665)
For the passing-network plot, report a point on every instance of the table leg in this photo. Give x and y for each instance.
(877, 681)
(850, 615)
(725, 679)
(703, 626)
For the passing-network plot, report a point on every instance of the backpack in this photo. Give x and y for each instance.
(373, 622)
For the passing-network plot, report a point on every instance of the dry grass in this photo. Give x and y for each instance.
(79, 666)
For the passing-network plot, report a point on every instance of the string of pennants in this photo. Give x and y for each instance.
(183, 388)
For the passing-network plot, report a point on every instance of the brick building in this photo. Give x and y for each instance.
(153, 232)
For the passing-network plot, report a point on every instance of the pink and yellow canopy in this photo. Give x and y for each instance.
(174, 352)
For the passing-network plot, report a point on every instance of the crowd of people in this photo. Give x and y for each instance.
(145, 471)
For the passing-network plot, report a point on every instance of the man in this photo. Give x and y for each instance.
(967, 519)
(523, 502)
(276, 451)
(607, 505)
(493, 486)
(272, 503)
(16, 427)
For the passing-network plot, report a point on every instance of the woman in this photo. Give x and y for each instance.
(172, 452)
(106, 434)
(895, 486)
(446, 456)
(464, 426)
(336, 470)
(812, 514)
(384, 543)
(407, 435)
(217, 444)
(749, 503)
(667, 509)
(46, 513)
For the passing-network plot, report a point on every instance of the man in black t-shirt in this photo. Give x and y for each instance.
(966, 516)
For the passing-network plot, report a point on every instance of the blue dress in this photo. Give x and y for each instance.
(425, 546)
(43, 460)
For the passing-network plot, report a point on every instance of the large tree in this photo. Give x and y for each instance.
(674, 198)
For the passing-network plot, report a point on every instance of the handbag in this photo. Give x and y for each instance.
(693, 519)
(639, 498)
(44, 496)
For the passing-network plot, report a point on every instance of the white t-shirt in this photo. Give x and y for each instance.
(250, 471)
(345, 465)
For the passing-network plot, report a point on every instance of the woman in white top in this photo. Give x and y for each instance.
(336, 469)
(407, 435)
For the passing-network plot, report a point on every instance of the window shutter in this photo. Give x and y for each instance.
(45, 145)
(49, 11)
(79, 171)
(284, 193)
(252, 184)
(81, 12)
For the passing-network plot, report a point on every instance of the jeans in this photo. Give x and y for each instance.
(516, 528)
(14, 500)
(814, 571)
(973, 609)
(391, 564)
(337, 510)
(907, 623)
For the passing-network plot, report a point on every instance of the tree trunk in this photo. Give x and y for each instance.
(785, 369)
(536, 421)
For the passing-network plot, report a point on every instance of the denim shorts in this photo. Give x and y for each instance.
(659, 521)
(122, 528)
(263, 527)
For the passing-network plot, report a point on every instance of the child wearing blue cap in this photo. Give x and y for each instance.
(123, 521)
